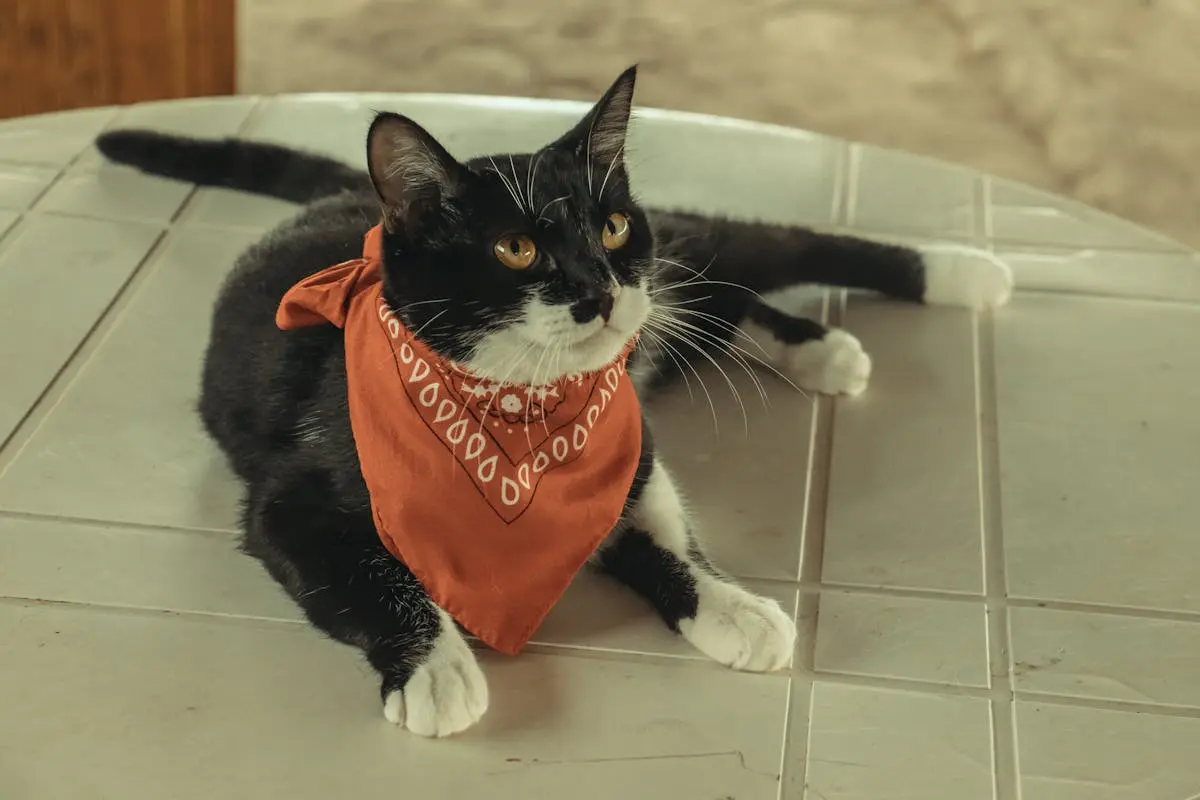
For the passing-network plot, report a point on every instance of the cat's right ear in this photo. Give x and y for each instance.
(411, 171)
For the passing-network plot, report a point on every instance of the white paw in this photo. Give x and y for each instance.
(739, 629)
(833, 365)
(956, 275)
(446, 695)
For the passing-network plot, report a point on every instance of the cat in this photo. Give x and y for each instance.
(522, 268)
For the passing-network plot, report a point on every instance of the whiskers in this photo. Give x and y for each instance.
(679, 332)
(696, 278)
(424, 325)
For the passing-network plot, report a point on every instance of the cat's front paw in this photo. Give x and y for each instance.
(956, 275)
(740, 629)
(836, 364)
(445, 695)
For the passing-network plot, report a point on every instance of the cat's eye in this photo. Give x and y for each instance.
(616, 231)
(515, 251)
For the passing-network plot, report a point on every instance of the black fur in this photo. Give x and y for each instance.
(276, 402)
(249, 166)
(658, 575)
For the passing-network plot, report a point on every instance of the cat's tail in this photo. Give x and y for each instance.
(253, 167)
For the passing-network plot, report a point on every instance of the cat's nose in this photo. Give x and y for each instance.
(600, 305)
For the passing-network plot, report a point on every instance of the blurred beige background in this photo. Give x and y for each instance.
(1094, 99)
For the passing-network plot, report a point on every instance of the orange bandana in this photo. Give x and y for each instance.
(493, 495)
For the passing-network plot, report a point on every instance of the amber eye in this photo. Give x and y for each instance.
(616, 231)
(514, 251)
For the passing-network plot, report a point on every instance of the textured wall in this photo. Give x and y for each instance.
(1097, 99)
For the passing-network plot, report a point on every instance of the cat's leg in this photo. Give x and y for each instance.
(765, 258)
(656, 554)
(332, 563)
(720, 306)
(832, 360)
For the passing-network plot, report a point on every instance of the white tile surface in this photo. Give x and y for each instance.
(57, 276)
(155, 570)
(156, 660)
(1106, 656)
(225, 208)
(896, 192)
(750, 526)
(1158, 276)
(889, 745)
(125, 442)
(1090, 754)
(1023, 214)
(51, 139)
(114, 192)
(903, 505)
(7, 220)
(713, 169)
(912, 638)
(21, 184)
(1096, 403)
(137, 729)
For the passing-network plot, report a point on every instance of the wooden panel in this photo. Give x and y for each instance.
(60, 54)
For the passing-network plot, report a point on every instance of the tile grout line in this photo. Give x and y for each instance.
(117, 609)
(119, 524)
(23, 431)
(820, 456)
(908, 685)
(57, 387)
(999, 645)
(841, 190)
(803, 587)
(986, 224)
(179, 217)
(1002, 708)
(785, 738)
(794, 765)
(58, 176)
(848, 214)
(186, 210)
(1084, 294)
(12, 232)
(810, 703)
(24, 214)
(901, 592)
(1018, 247)
(1191, 617)
(182, 209)
(1112, 705)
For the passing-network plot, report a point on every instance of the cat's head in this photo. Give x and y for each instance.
(523, 267)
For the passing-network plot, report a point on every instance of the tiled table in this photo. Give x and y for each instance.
(994, 553)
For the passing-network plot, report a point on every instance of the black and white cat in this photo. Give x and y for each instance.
(276, 401)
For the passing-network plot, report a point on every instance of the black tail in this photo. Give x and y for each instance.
(265, 169)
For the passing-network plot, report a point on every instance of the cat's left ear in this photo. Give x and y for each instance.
(599, 138)
(412, 173)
